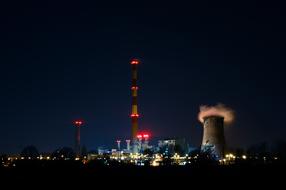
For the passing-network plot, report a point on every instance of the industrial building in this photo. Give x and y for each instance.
(169, 147)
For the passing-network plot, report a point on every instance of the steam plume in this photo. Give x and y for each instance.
(218, 110)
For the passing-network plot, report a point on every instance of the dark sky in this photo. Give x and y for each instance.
(60, 62)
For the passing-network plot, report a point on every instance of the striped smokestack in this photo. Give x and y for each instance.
(134, 90)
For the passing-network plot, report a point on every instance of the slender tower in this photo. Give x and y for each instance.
(78, 125)
(118, 144)
(128, 145)
(134, 90)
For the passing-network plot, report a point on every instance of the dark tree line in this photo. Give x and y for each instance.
(31, 152)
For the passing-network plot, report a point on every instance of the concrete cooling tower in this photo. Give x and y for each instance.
(213, 137)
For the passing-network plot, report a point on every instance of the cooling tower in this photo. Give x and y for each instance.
(213, 138)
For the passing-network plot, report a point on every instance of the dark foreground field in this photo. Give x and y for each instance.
(75, 173)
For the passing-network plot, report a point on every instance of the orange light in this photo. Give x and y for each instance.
(134, 88)
(134, 115)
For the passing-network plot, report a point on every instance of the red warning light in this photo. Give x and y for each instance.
(78, 123)
(134, 115)
(146, 136)
(134, 62)
(134, 88)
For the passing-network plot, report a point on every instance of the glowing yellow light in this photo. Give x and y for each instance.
(244, 157)
(155, 163)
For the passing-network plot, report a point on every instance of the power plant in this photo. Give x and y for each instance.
(213, 118)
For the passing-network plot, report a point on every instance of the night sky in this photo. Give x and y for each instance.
(60, 62)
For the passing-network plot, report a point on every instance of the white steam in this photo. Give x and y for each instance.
(218, 110)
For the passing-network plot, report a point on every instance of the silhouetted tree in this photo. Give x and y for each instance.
(179, 149)
(30, 152)
(166, 161)
(195, 152)
(83, 151)
(207, 156)
(259, 150)
(280, 149)
(3, 159)
(63, 153)
(239, 152)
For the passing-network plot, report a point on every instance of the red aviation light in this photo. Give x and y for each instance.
(135, 62)
(78, 123)
(134, 115)
(146, 136)
(134, 88)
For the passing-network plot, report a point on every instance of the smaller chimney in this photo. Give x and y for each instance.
(118, 144)
(128, 145)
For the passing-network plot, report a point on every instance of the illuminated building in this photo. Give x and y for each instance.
(169, 147)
